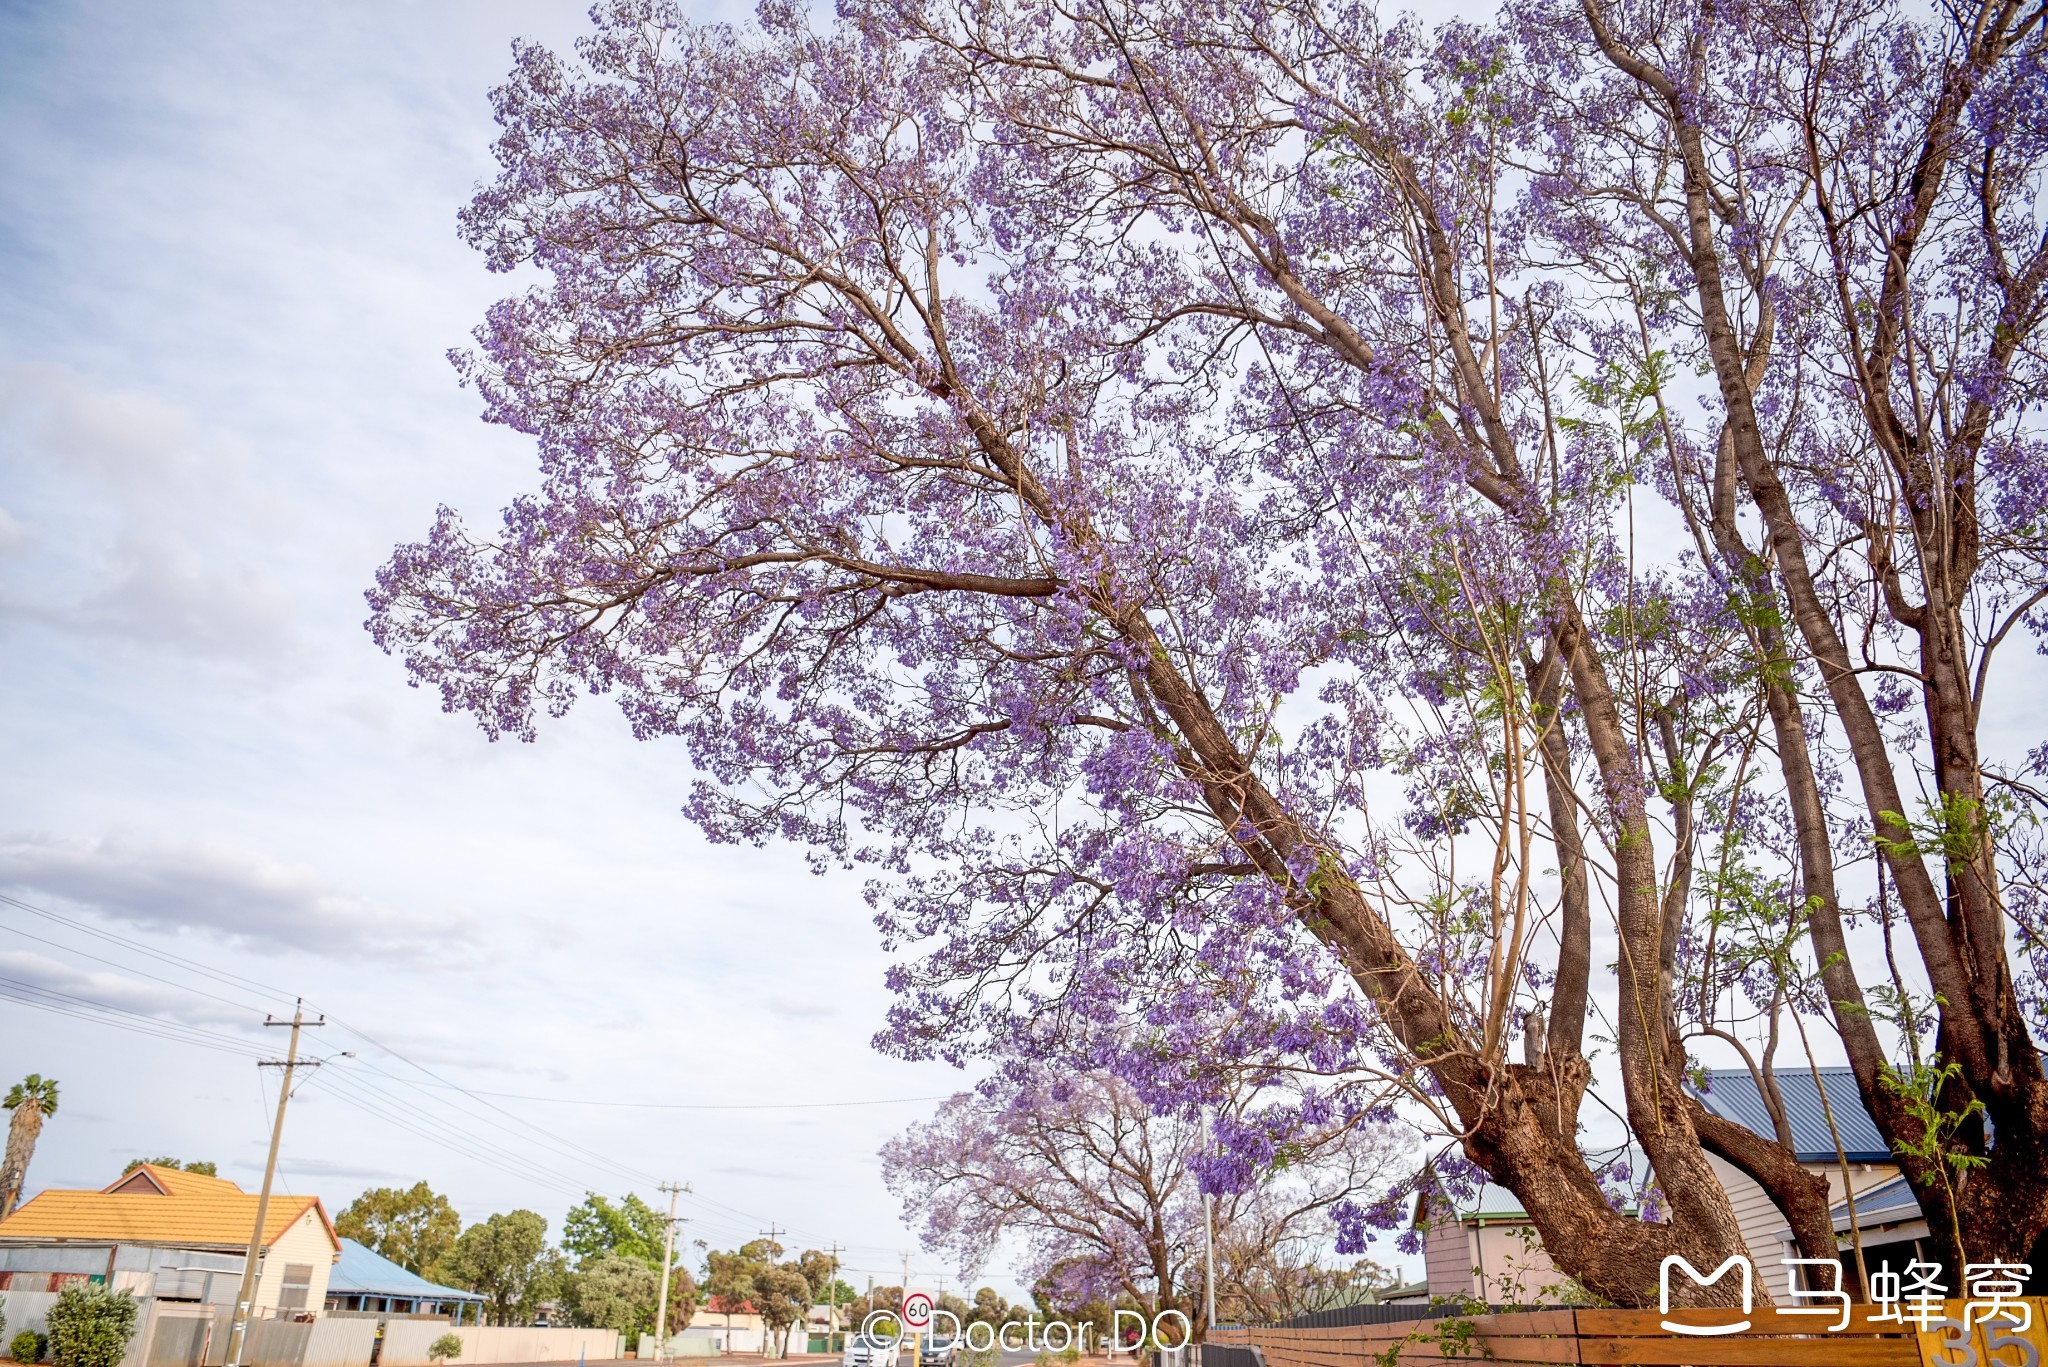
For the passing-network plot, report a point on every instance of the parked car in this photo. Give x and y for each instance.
(862, 1351)
(941, 1351)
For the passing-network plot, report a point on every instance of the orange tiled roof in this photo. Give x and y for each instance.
(186, 1209)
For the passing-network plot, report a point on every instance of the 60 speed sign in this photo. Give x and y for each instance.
(917, 1310)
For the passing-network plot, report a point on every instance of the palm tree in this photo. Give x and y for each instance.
(32, 1098)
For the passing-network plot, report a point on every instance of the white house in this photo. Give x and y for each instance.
(175, 1240)
(1487, 1249)
(1871, 1175)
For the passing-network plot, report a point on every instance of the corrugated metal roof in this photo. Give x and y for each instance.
(1490, 1202)
(1892, 1203)
(1732, 1093)
(191, 1211)
(366, 1272)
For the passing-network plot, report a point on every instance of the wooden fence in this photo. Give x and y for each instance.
(1626, 1337)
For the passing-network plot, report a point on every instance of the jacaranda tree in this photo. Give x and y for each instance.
(1100, 1195)
(1288, 541)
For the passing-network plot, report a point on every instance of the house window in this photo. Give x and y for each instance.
(298, 1283)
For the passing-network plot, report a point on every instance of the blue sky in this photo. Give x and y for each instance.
(231, 280)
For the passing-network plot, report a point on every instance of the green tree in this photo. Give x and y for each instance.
(31, 1100)
(729, 1277)
(204, 1169)
(781, 1295)
(752, 1277)
(413, 1227)
(89, 1326)
(445, 1347)
(683, 1296)
(818, 1270)
(595, 1228)
(617, 1291)
(883, 1298)
(507, 1260)
(991, 1308)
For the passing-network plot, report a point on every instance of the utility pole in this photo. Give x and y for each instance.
(1208, 1264)
(916, 1343)
(832, 1288)
(668, 1259)
(238, 1334)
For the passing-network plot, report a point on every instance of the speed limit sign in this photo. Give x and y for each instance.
(917, 1310)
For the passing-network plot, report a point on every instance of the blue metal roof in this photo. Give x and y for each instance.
(362, 1272)
(1732, 1094)
(1892, 1203)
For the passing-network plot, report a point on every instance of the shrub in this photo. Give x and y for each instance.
(90, 1326)
(27, 1347)
(445, 1347)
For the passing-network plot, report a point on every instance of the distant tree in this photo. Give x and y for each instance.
(204, 1169)
(506, 1258)
(683, 1296)
(883, 1298)
(818, 1270)
(445, 1347)
(89, 1326)
(413, 1227)
(781, 1295)
(31, 1100)
(991, 1308)
(1101, 1193)
(840, 1297)
(595, 1228)
(753, 1277)
(729, 1277)
(617, 1291)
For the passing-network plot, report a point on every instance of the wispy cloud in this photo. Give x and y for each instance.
(205, 886)
(155, 557)
(117, 990)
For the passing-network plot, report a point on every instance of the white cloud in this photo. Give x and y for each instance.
(207, 886)
(27, 969)
(164, 593)
(229, 237)
(142, 525)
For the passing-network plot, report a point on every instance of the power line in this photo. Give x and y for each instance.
(388, 1111)
(165, 956)
(36, 996)
(571, 1146)
(125, 968)
(354, 1088)
(563, 1147)
(699, 1105)
(31, 995)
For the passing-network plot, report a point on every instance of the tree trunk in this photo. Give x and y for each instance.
(22, 1130)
